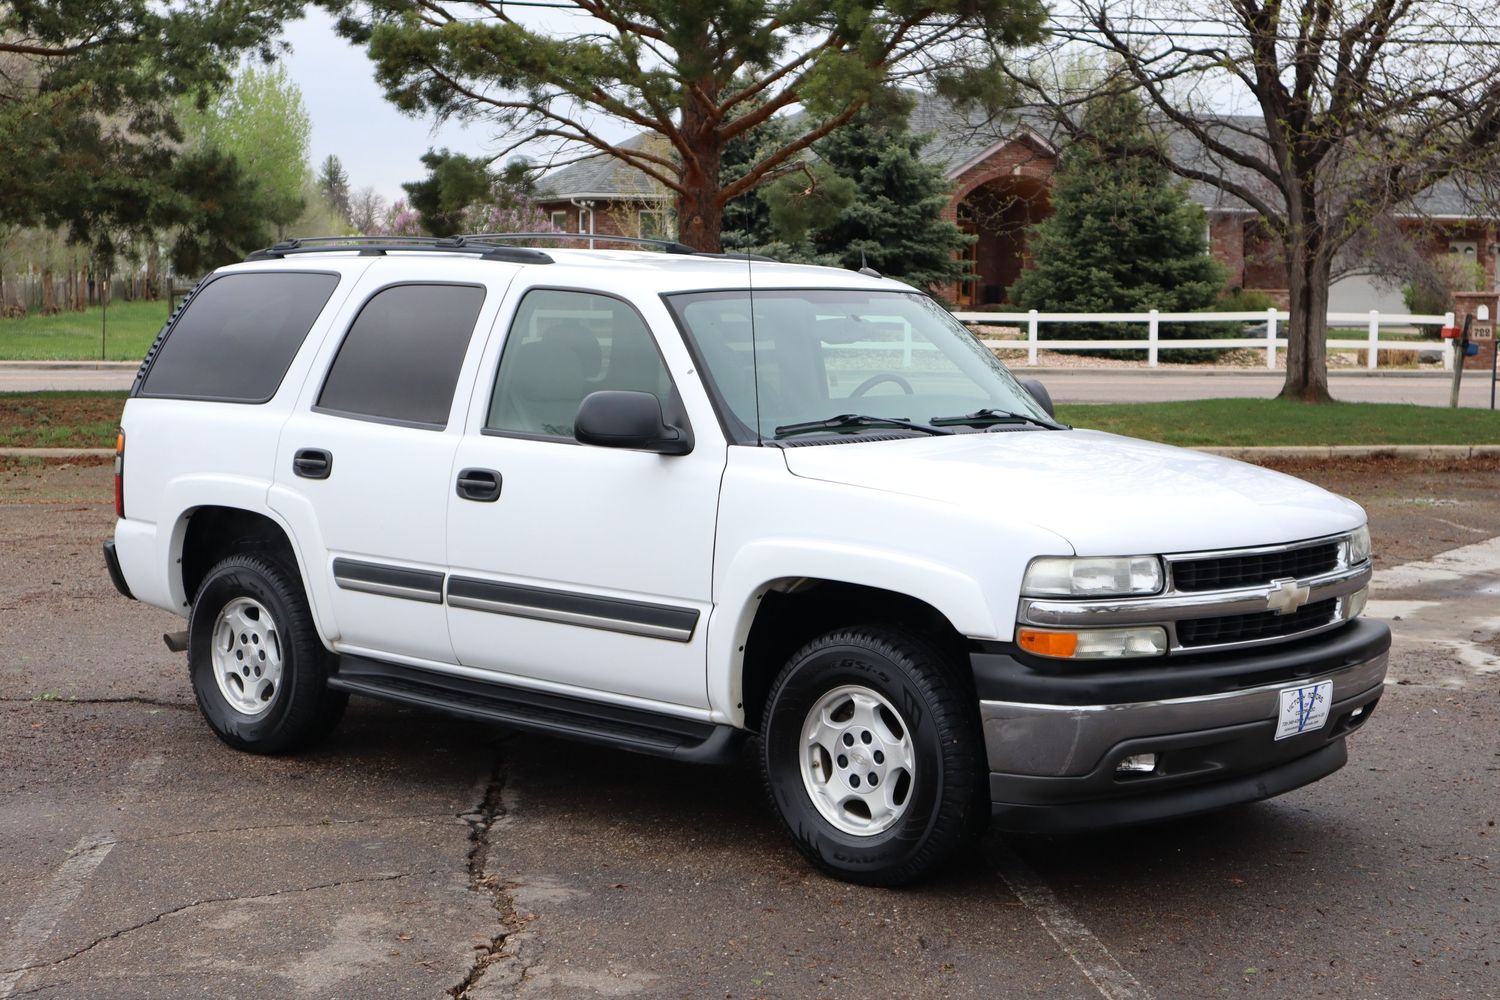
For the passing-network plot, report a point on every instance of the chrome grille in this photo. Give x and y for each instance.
(1224, 629)
(1227, 572)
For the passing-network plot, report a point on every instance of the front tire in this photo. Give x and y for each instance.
(872, 754)
(258, 667)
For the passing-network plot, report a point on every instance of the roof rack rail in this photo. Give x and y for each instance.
(666, 246)
(482, 244)
(368, 246)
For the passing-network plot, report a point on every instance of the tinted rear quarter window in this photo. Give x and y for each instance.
(237, 337)
(399, 362)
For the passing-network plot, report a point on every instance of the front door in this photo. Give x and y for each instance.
(591, 567)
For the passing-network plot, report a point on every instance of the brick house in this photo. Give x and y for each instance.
(1001, 175)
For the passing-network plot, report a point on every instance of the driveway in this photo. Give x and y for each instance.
(416, 856)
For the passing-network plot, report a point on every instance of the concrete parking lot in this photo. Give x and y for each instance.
(416, 856)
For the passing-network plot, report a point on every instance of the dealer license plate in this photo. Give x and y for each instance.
(1304, 709)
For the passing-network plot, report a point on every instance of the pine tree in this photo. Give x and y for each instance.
(867, 196)
(333, 182)
(1122, 237)
(894, 221)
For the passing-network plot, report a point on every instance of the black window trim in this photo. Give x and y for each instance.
(370, 418)
(488, 431)
(155, 351)
(736, 431)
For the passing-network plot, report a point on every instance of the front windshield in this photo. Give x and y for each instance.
(821, 353)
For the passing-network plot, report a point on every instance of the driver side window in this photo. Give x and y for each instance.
(562, 346)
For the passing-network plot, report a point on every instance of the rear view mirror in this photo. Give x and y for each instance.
(620, 418)
(1039, 393)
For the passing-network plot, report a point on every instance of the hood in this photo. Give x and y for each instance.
(1106, 494)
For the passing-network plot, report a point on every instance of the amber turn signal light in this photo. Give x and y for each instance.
(1048, 643)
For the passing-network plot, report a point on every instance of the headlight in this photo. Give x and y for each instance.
(1359, 546)
(1095, 643)
(1112, 576)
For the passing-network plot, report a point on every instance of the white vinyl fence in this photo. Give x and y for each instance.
(1372, 321)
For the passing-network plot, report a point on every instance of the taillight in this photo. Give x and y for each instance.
(120, 474)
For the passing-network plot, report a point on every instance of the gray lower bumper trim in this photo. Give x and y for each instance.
(1063, 740)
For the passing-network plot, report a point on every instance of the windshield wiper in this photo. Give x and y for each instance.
(988, 416)
(850, 421)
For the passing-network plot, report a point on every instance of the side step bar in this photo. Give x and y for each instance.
(541, 712)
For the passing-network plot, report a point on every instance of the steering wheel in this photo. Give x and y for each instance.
(875, 380)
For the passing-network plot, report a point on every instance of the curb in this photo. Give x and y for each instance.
(57, 453)
(68, 366)
(1418, 451)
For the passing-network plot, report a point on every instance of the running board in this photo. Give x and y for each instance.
(541, 712)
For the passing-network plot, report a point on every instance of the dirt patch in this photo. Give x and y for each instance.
(35, 481)
(1417, 508)
(60, 419)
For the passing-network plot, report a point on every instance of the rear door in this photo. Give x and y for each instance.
(364, 461)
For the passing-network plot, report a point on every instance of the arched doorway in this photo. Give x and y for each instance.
(998, 213)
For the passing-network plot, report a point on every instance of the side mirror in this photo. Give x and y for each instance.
(1039, 393)
(618, 418)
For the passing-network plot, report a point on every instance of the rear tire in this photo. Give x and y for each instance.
(872, 754)
(258, 667)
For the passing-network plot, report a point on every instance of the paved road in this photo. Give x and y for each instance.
(413, 855)
(1066, 386)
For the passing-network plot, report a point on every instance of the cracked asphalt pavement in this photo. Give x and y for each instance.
(413, 855)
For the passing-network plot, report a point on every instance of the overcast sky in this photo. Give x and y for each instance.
(351, 119)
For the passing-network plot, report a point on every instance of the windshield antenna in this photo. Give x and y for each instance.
(754, 356)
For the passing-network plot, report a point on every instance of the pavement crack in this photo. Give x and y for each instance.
(481, 822)
(153, 702)
(112, 935)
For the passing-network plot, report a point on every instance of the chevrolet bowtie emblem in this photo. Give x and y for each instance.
(1287, 596)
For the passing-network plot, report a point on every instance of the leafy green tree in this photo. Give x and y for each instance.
(333, 185)
(698, 74)
(260, 120)
(1122, 236)
(88, 138)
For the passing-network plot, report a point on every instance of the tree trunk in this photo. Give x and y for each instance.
(700, 216)
(700, 219)
(1308, 270)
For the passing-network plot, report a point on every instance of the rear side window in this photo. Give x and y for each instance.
(399, 362)
(237, 337)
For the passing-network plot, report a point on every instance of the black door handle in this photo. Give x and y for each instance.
(482, 485)
(312, 463)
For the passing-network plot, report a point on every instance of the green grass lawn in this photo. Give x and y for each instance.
(59, 419)
(1251, 422)
(74, 336)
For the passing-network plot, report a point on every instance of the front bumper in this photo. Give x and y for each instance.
(1210, 721)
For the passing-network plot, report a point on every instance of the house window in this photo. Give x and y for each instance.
(585, 220)
(560, 220)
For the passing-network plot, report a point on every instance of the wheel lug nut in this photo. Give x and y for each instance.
(864, 737)
(879, 756)
(848, 739)
(854, 780)
(873, 780)
(843, 761)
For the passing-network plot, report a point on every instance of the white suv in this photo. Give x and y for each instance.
(663, 500)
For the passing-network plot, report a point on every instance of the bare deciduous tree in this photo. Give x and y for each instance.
(1350, 112)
